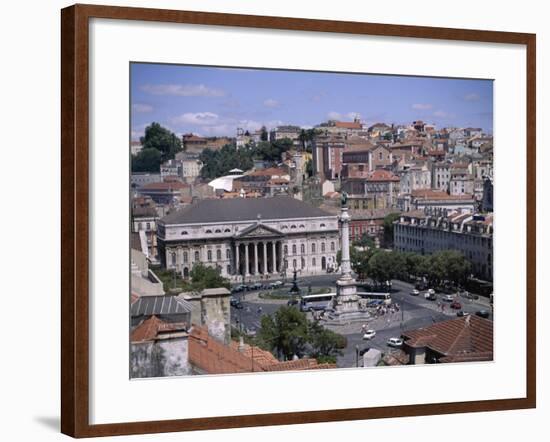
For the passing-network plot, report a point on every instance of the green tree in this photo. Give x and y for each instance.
(325, 344)
(285, 333)
(384, 266)
(263, 135)
(161, 139)
(204, 277)
(452, 265)
(388, 228)
(364, 241)
(147, 160)
(309, 168)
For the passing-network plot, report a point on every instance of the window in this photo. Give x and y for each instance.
(322, 225)
(148, 226)
(140, 226)
(173, 258)
(184, 232)
(303, 263)
(302, 249)
(332, 246)
(227, 230)
(313, 263)
(285, 249)
(219, 255)
(313, 249)
(208, 231)
(209, 255)
(196, 256)
(227, 254)
(185, 257)
(322, 247)
(294, 249)
(293, 263)
(218, 231)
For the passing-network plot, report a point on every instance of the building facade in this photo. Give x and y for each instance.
(250, 239)
(429, 232)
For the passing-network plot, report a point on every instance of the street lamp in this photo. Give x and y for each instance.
(356, 355)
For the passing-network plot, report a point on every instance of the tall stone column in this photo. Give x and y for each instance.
(274, 257)
(264, 266)
(346, 265)
(246, 261)
(236, 259)
(256, 271)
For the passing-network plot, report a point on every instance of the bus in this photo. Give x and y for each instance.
(316, 302)
(375, 297)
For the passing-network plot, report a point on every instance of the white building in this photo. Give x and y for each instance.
(472, 235)
(256, 238)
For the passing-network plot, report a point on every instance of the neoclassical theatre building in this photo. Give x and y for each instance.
(254, 238)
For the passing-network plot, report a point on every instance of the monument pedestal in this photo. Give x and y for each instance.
(345, 306)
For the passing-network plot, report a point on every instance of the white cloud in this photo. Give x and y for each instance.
(443, 114)
(340, 117)
(270, 102)
(197, 118)
(182, 90)
(142, 108)
(422, 106)
(471, 97)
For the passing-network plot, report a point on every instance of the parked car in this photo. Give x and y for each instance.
(456, 305)
(249, 331)
(395, 342)
(255, 286)
(482, 314)
(239, 288)
(448, 298)
(461, 313)
(415, 292)
(234, 302)
(292, 302)
(369, 334)
(430, 296)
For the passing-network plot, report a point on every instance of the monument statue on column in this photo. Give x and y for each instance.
(346, 302)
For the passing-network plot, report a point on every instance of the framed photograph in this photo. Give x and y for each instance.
(338, 215)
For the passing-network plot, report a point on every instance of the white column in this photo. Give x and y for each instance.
(274, 257)
(246, 260)
(236, 272)
(255, 258)
(344, 219)
(264, 267)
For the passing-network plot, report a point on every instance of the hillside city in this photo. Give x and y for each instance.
(340, 245)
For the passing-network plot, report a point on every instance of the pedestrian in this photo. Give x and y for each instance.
(364, 328)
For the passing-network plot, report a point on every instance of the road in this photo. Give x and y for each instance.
(414, 312)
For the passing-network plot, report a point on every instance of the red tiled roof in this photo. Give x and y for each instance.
(213, 357)
(149, 329)
(172, 185)
(466, 338)
(348, 124)
(382, 175)
(437, 195)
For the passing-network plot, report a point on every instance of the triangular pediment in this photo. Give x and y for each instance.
(258, 230)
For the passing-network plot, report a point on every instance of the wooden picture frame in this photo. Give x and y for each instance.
(75, 218)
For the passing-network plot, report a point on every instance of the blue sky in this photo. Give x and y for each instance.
(215, 101)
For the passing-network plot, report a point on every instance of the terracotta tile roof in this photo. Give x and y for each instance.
(213, 357)
(466, 338)
(149, 329)
(172, 185)
(269, 172)
(437, 195)
(382, 175)
(348, 124)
